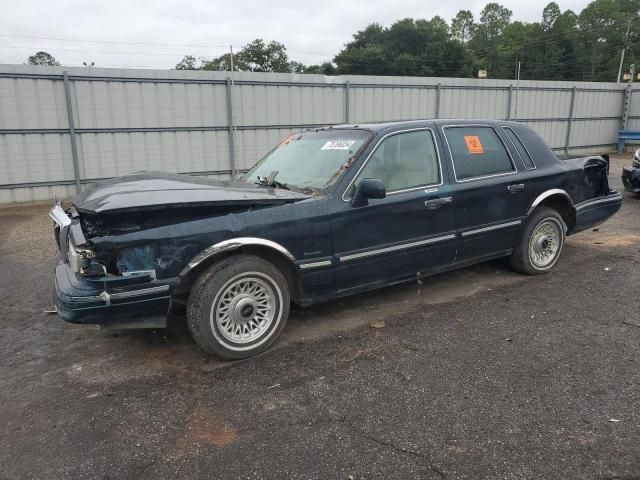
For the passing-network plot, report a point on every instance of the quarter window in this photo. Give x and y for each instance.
(477, 152)
(403, 161)
(522, 151)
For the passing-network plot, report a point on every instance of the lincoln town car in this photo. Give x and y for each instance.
(328, 212)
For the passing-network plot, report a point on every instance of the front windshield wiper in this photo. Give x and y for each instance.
(271, 181)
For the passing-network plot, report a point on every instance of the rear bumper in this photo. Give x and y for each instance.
(80, 300)
(595, 211)
(631, 179)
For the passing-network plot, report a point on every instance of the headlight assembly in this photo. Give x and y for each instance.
(79, 259)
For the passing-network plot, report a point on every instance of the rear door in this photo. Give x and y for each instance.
(489, 190)
(410, 230)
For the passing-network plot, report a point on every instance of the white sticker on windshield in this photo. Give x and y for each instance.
(338, 145)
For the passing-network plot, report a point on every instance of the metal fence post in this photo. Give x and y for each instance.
(509, 99)
(72, 131)
(624, 118)
(438, 90)
(570, 121)
(231, 129)
(347, 100)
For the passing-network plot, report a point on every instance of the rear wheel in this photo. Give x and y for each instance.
(541, 242)
(238, 307)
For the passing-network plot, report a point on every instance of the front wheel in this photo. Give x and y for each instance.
(540, 244)
(238, 306)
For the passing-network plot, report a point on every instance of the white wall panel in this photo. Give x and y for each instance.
(102, 153)
(30, 103)
(195, 101)
(553, 133)
(34, 158)
(594, 132)
(598, 104)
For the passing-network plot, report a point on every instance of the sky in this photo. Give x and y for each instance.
(157, 34)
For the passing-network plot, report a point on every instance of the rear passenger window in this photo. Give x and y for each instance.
(477, 152)
(522, 151)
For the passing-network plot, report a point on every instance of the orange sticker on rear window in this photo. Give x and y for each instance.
(473, 144)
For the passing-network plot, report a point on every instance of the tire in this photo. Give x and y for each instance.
(541, 243)
(238, 307)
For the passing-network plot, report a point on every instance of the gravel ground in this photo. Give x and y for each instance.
(480, 373)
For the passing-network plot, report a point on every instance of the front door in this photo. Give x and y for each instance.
(410, 230)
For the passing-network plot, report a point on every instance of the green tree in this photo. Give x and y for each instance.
(371, 60)
(603, 24)
(221, 63)
(549, 15)
(565, 32)
(259, 56)
(555, 33)
(188, 62)
(326, 68)
(42, 58)
(494, 20)
(256, 56)
(408, 47)
(297, 67)
(560, 46)
(371, 36)
(462, 25)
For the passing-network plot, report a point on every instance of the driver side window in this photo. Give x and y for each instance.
(404, 161)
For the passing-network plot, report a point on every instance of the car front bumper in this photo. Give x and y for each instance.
(631, 179)
(110, 304)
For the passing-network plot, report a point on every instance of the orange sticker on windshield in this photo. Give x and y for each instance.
(473, 144)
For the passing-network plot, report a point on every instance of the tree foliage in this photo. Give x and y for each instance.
(408, 47)
(462, 25)
(42, 58)
(188, 62)
(256, 56)
(562, 45)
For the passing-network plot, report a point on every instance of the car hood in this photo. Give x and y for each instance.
(158, 190)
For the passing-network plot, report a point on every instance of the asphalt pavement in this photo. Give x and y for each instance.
(479, 373)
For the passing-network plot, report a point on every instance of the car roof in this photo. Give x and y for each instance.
(399, 124)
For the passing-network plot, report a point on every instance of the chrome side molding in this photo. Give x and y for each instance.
(368, 253)
(107, 297)
(491, 227)
(310, 265)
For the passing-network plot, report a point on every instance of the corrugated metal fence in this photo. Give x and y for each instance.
(63, 127)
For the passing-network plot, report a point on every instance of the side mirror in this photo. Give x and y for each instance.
(368, 188)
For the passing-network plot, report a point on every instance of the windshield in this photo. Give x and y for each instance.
(311, 159)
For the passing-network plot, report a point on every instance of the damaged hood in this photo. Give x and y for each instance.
(158, 190)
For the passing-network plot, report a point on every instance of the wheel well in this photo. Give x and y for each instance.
(563, 206)
(285, 265)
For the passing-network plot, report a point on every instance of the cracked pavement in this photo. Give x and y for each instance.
(480, 373)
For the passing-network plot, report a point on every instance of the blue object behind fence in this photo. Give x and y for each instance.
(626, 135)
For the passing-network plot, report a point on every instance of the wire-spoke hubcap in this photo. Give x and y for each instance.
(244, 309)
(545, 243)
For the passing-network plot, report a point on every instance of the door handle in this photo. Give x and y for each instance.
(437, 202)
(517, 188)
